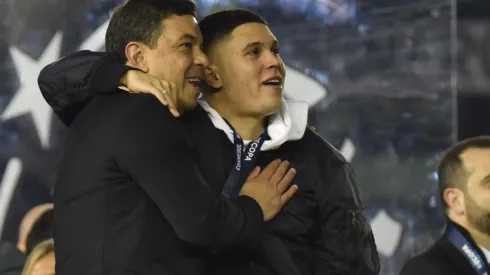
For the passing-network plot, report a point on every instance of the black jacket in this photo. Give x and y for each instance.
(130, 198)
(443, 258)
(323, 228)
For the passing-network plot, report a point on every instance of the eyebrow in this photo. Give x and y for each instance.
(275, 43)
(486, 179)
(187, 37)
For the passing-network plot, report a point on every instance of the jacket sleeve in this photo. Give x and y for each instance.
(347, 243)
(156, 151)
(70, 83)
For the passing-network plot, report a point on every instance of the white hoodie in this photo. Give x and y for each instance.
(286, 125)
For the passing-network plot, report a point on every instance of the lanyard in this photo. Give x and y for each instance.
(473, 255)
(245, 159)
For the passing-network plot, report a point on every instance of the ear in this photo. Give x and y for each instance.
(454, 198)
(135, 53)
(212, 77)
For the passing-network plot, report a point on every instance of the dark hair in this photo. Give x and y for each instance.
(219, 25)
(141, 20)
(452, 172)
(41, 230)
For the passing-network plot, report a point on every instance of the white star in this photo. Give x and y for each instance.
(96, 41)
(387, 233)
(299, 86)
(7, 187)
(28, 98)
(348, 150)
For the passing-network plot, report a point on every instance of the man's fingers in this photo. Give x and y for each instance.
(279, 174)
(171, 105)
(286, 180)
(172, 86)
(156, 89)
(288, 195)
(255, 172)
(158, 93)
(170, 100)
(270, 169)
(163, 90)
(133, 92)
(166, 91)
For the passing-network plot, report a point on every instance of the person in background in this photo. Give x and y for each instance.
(41, 230)
(28, 221)
(464, 185)
(41, 260)
(36, 221)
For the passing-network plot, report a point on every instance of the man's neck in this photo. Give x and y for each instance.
(480, 238)
(477, 236)
(247, 127)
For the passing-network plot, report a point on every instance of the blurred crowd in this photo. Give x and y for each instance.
(33, 254)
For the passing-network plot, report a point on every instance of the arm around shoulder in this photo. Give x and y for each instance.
(70, 83)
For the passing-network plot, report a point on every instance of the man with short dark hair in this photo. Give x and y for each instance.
(323, 228)
(464, 185)
(130, 196)
(127, 26)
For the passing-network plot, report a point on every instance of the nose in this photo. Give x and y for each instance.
(273, 60)
(200, 58)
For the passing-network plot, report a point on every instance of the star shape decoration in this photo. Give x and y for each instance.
(348, 150)
(7, 187)
(28, 98)
(96, 41)
(387, 233)
(299, 86)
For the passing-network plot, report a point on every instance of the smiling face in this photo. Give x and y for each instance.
(160, 38)
(247, 71)
(178, 58)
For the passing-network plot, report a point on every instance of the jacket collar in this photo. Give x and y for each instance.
(468, 237)
(286, 125)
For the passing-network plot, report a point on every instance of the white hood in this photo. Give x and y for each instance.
(286, 125)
